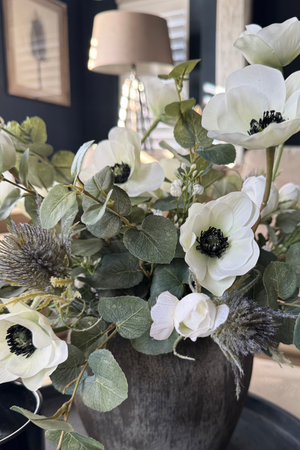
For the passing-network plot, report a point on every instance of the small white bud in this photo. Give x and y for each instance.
(184, 188)
(198, 189)
(157, 212)
(143, 206)
(288, 196)
(183, 166)
(175, 190)
(79, 284)
(175, 218)
(193, 167)
(266, 248)
(177, 183)
(195, 173)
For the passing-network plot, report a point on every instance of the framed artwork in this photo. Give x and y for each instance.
(37, 51)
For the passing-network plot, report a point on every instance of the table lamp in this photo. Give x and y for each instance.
(130, 43)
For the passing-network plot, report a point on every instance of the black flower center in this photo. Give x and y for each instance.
(19, 340)
(268, 117)
(212, 242)
(121, 172)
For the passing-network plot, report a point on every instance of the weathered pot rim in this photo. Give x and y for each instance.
(38, 397)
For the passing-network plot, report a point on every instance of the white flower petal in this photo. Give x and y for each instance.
(163, 316)
(245, 212)
(103, 156)
(222, 217)
(35, 382)
(27, 367)
(169, 166)
(197, 262)
(256, 51)
(149, 177)
(5, 375)
(217, 288)
(88, 172)
(292, 84)
(209, 118)
(267, 81)
(221, 316)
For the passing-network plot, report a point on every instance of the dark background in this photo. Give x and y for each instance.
(94, 97)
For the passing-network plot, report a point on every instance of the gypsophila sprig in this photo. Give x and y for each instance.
(30, 256)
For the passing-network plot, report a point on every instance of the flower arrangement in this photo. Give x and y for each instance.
(152, 252)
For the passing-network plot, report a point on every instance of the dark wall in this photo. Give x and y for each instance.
(93, 97)
(202, 44)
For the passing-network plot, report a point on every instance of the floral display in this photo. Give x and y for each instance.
(164, 256)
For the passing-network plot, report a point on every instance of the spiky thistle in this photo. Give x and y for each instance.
(249, 329)
(30, 256)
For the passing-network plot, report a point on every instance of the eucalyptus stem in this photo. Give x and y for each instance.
(278, 159)
(270, 154)
(17, 185)
(153, 126)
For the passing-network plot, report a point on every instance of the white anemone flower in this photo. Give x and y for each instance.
(258, 110)
(195, 315)
(29, 349)
(159, 95)
(276, 45)
(255, 188)
(9, 153)
(288, 196)
(218, 240)
(122, 153)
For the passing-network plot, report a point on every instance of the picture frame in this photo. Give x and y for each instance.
(37, 50)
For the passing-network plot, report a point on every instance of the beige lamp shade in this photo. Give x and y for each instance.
(123, 39)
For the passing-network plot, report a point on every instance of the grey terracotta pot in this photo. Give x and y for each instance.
(173, 404)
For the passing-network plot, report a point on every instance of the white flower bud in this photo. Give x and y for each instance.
(79, 284)
(157, 212)
(183, 166)
(178, 183)
(184, 188)
(195, 173)
(193, 167)
(198, 189)
(143, 206)
(288, 196)
(175, 218)
(266, 248)
(175, 190)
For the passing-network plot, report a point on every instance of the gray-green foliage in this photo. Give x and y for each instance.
(108, 387)
(218, 154)
(131, 315)
(56, 204)
(69, 370)
(117, 271)
(9, 203)
(77, 162)
(172, 277)
(149, 346)
(188, 131)
(42, 421)
(88, 334)
(155, 242)
(293, 259)
(280, 282)
(74, 441)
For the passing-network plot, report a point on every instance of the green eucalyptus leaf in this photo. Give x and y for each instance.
(172, 277)
(137, 215)
(280, 281)
(183, 69)
(188, 131)
(138, 200)
(287, 222)
(166, 203)
(43, 422)
(9, 203)
(41, 149)
(67, 220)
(108, 388)
(218, 154)
(296, 340)
(180, 158)
(86, 247)
(187, 104)
(32, 208)
(149, 346)
(285, 333)
(69, 370)
(23, 167)
(210, 177)
(88, 334)
(131, 315)
(101, 181)
(117, 271)
(95, 212)
(38, 132)
(293, 259)
(74, 441)
(55, 205)
(122, 202)
(173, 109)
(62, 162)
(155, 242)
(107, 227)
(77, 162)
(40, 174)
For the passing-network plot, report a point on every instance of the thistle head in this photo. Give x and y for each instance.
(31, 255)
